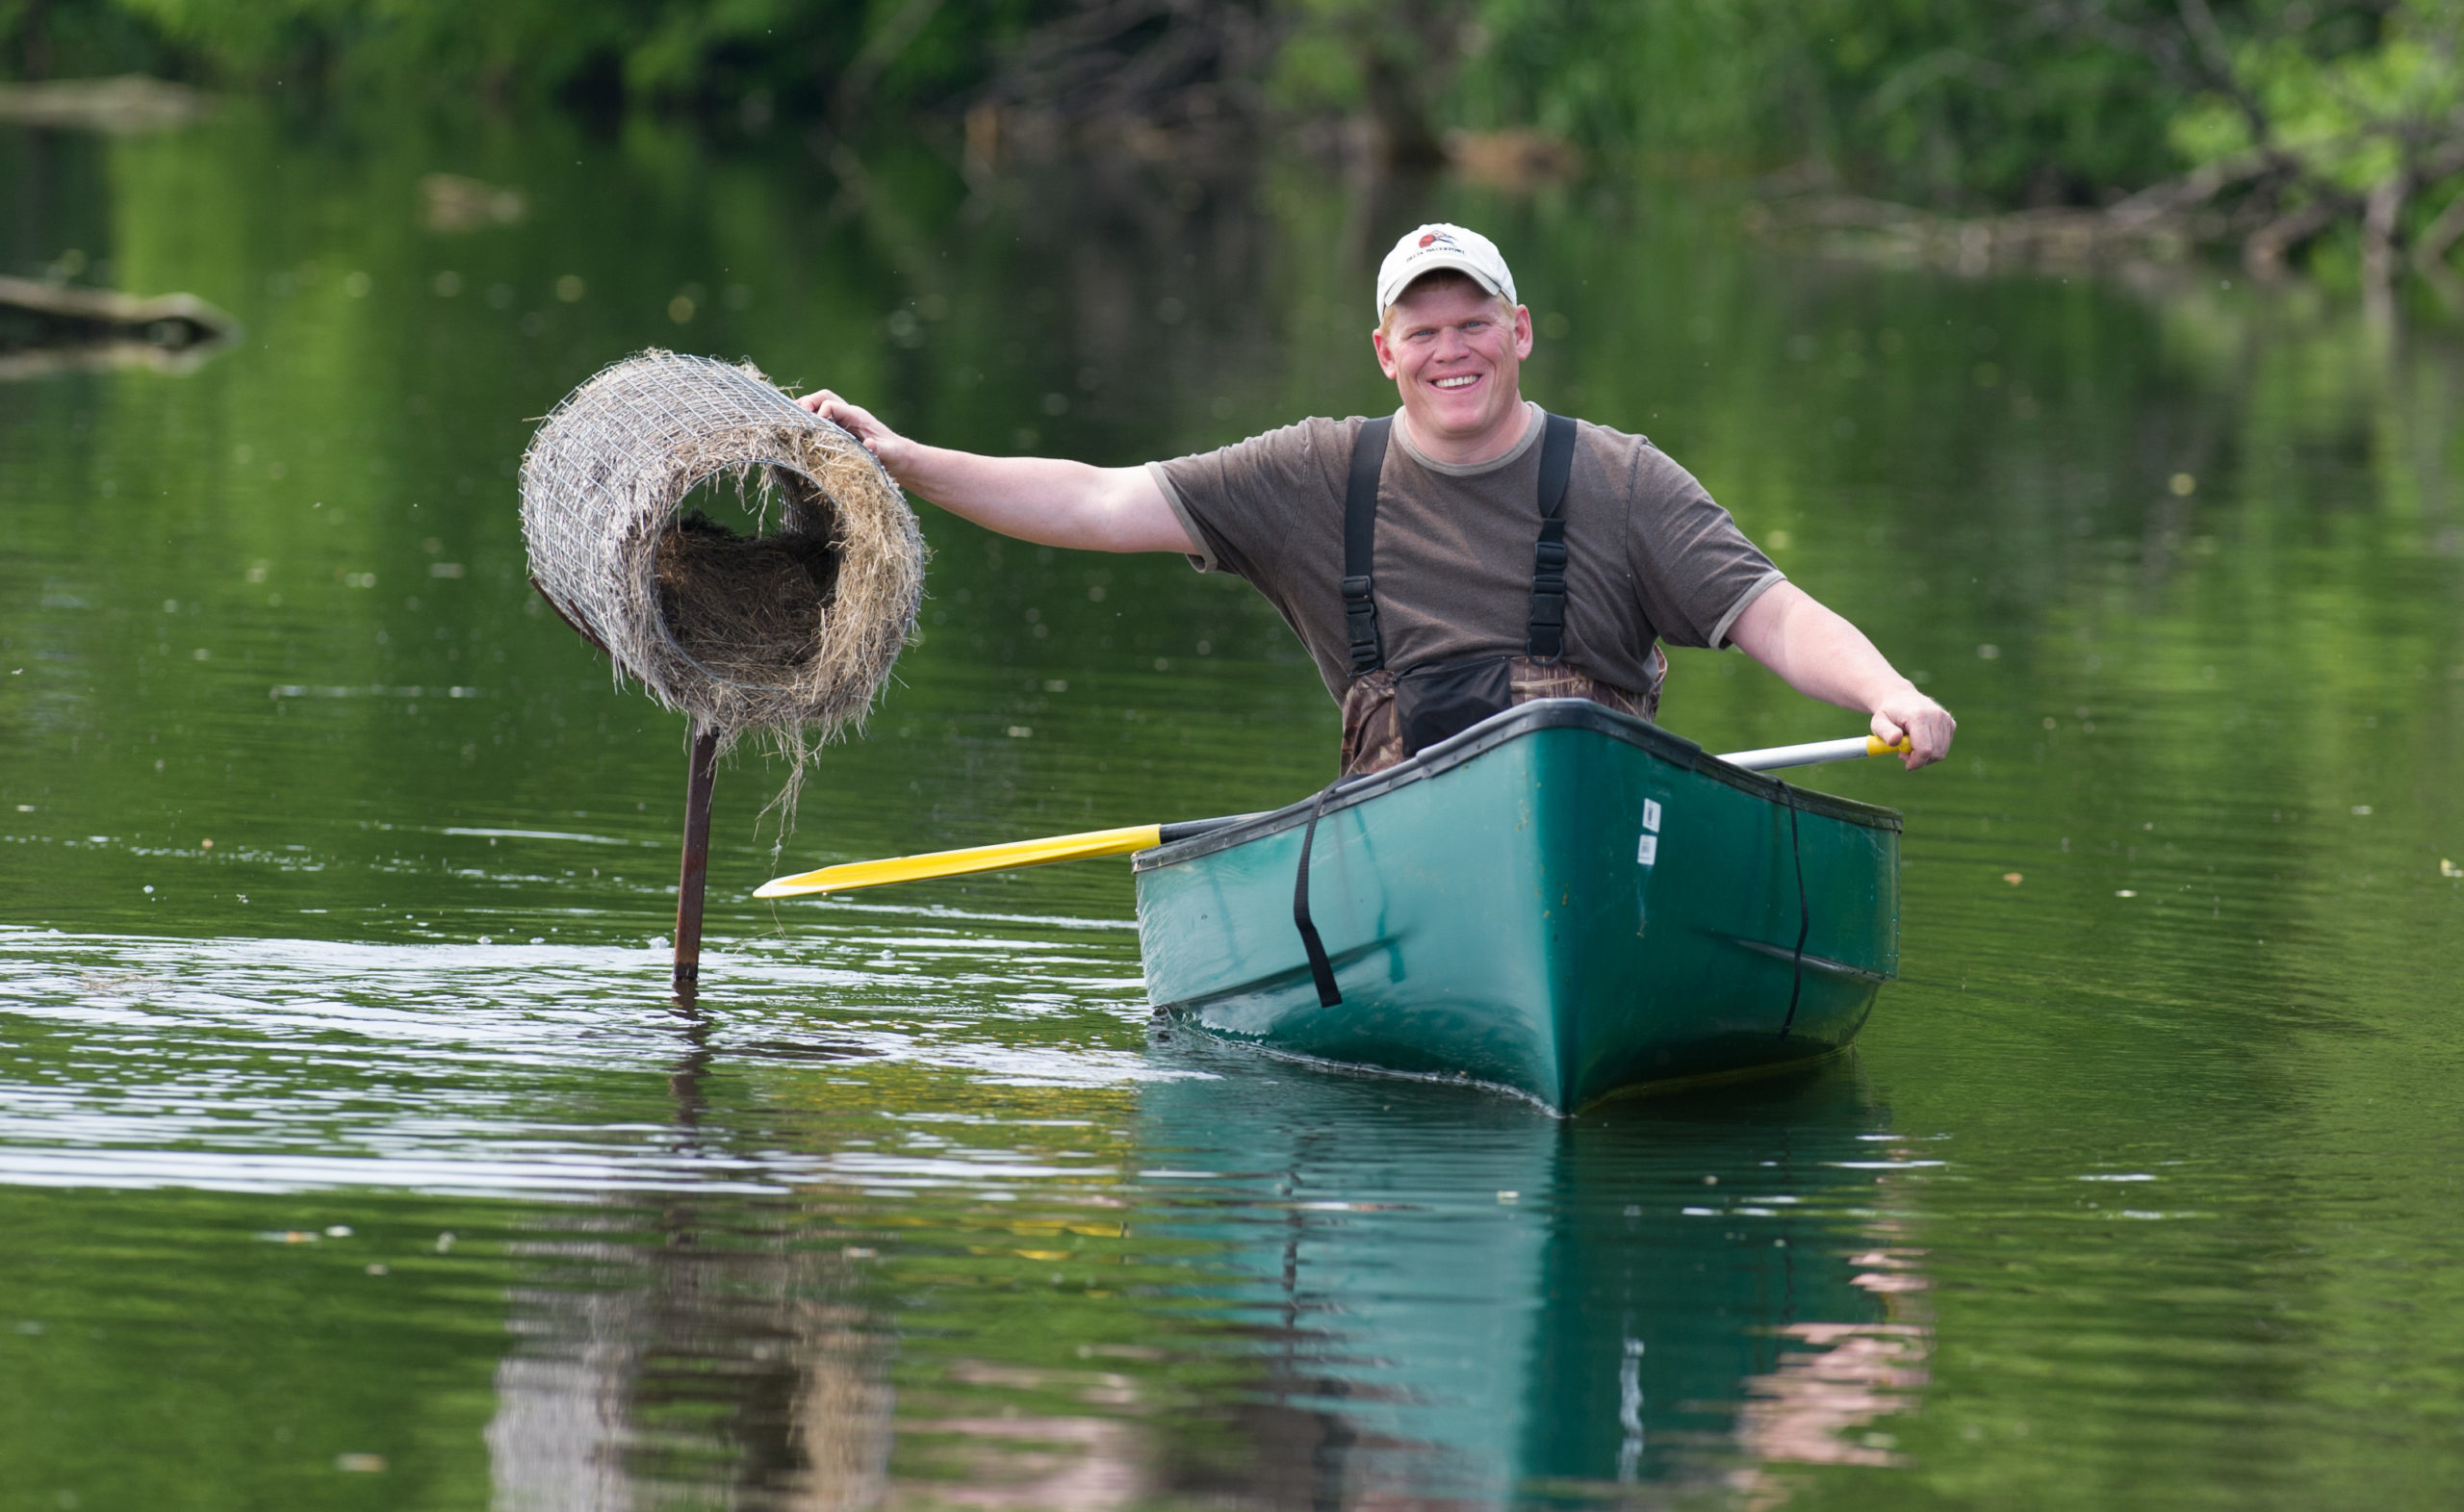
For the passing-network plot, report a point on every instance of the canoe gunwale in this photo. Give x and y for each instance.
(1513, 723)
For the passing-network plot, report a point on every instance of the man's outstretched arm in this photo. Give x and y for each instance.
(1043, 499)
(1822, 655)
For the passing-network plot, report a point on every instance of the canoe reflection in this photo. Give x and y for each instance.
(1457, 1302)
(1333, 1291)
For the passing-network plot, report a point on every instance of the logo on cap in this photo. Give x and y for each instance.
(1441, 247)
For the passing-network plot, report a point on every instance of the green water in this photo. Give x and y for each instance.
(2139, 1191)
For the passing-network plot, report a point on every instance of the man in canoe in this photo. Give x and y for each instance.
(1492, 554)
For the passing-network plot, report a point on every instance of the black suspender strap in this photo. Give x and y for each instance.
(1360, 544)
(1547, 635)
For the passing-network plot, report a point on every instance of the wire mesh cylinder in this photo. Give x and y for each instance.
(602, 485)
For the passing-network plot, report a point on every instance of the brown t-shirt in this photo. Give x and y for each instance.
(1650, 555)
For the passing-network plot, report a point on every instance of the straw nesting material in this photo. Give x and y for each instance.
(791, 631)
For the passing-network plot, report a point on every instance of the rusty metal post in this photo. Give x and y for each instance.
(697, 862)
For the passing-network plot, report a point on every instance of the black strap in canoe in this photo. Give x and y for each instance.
(1322, 970)
(1545, 637)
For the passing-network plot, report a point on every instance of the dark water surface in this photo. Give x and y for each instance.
(351, 1153)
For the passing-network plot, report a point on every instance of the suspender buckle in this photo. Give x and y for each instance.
(1547, 636)
(1360, 625)
(1360, 546)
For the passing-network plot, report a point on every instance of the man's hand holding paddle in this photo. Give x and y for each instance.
(1821, 655)
(1925, 725)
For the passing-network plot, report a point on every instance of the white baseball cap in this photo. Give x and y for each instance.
(1427, 248)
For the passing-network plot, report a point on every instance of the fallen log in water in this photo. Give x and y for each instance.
(50, 327)
(128, 104)
(2053, 239)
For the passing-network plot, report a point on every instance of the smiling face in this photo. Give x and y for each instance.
(1455, 352)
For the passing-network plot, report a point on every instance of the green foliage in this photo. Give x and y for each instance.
(1966, 104)
(1962, 101)
(1686, 77)
(1955, 102)
(75, 38)
(2341, 109)
(792, 54)
(1952, 101)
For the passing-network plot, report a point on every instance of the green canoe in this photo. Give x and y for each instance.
(1562, 900)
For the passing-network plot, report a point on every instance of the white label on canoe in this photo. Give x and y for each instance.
(1647, 854)
(1650, 815)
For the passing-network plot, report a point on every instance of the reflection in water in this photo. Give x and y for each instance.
(647, 1370)
(1400, 1296)
(1704, 1293)
(711, 1355)
(1462, 1301)
(1086, 1464)
(1802, 1410)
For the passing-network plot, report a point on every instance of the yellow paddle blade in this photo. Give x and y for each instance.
(1874, 746)
(1005, 856)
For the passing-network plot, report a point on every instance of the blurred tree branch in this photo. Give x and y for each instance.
(2298, 120)
(1148, 62)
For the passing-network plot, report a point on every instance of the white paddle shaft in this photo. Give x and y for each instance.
(1810, 753)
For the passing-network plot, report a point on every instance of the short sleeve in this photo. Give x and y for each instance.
(1204, 558)
(1249, 507)
(1696, 570)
